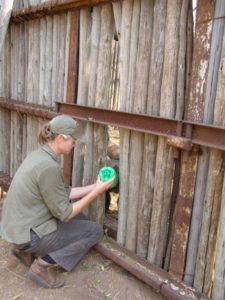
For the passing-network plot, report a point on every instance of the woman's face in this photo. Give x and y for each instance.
(66, 144)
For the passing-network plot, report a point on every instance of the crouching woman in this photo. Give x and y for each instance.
(45, 227)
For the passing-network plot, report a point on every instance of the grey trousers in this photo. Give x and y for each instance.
(69, 243)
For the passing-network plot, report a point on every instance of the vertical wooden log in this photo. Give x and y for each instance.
(6, 10)
(72, 66)
(215, 54)
(207, 243)
(33, 84)
(82, 93)
(127, 104)
(97, 209)
(127, 8)
(164, 159)
(219, 280)
(117, 12)
(5, 121)
(130, 241)
(203, 186)
(95, 37)
(194, 113)
(150, 142)
(137, 139)
(13, 95)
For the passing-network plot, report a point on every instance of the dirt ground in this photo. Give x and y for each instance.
(95, 277)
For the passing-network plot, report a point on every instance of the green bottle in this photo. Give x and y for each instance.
(106, 173)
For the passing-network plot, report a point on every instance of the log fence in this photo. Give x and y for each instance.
(134, 64)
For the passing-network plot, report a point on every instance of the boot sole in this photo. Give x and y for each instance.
(42, 282)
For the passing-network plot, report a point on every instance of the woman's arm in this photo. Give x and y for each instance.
(98, 189)
(79, 192)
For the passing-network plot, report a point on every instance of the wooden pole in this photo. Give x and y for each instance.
(150, 142)
(127, 8)
(164, 158)
(219, 280)
(5, 14)
(82, 93)
(209, 238)
(95, 38)
(189, 162)
(71, 87)
(97, 210)
(137, 139)
(206, 188)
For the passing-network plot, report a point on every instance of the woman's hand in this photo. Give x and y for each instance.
(101, 186)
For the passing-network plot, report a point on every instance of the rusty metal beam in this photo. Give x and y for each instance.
(148, 273)
(186, 132)
(50, 8)
(35, 110)
(196, 133)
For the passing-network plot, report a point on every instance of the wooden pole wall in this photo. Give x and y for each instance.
(153, 49)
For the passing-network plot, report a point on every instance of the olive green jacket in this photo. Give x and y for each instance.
(37, 197)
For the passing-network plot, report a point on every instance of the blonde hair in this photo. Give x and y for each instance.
(46, 135)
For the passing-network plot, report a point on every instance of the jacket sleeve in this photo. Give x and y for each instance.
(54, 193)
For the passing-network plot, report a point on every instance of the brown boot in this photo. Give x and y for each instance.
(25, 257)
(45, 274)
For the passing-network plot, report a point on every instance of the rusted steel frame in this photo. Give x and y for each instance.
(28, 108)
(51, 7)
(148, 273)
(196, 133)
(199, 134)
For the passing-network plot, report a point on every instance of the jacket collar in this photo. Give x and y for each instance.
(47, 149)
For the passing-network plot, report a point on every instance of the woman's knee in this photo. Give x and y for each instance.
(97, 230)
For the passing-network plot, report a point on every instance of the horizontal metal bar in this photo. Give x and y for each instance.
(28, 108)
(152, 275)
(201, 134)
(50, 8)
(137, 122)
(196, 133)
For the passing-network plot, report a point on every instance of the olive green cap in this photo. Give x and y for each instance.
(64, 124)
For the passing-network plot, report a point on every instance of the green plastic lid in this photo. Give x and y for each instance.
(106, 173)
